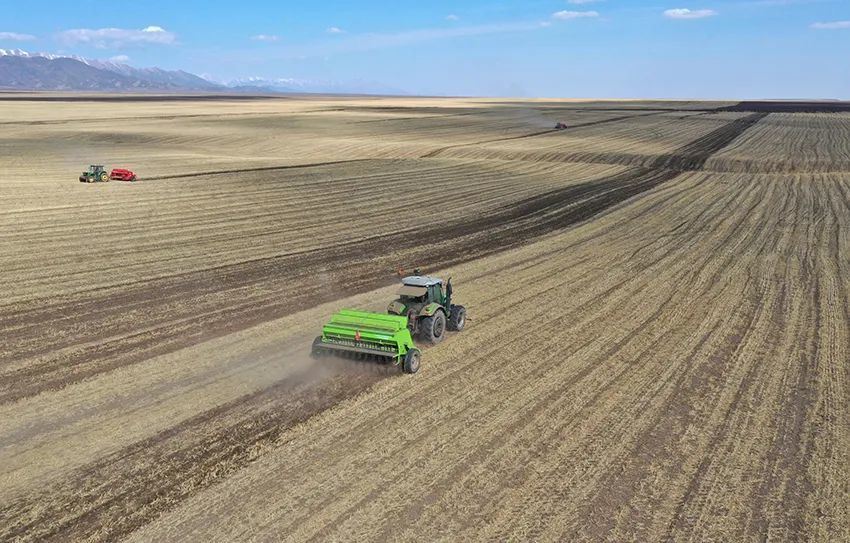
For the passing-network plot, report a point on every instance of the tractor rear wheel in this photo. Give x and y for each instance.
(411, 361)
(434, 327)
(104, 177)
(457, 320)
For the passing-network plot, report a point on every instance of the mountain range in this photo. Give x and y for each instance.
(20, 70)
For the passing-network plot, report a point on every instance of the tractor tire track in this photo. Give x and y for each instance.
(257, 169)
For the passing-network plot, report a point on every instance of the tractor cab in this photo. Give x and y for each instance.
(418, 289)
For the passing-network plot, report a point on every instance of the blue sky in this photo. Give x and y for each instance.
(569, 48)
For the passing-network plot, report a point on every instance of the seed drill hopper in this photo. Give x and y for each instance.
(369, 336)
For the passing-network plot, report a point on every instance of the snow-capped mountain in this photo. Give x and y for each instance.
(23, 54)
(22, 70)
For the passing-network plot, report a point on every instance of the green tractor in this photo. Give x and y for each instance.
(94, 174)
(427, 304)
(423, 309)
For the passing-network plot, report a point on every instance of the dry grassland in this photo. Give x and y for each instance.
(657, 349)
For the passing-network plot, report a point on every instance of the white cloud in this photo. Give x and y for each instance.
(117, 37)
(684, 13)
(335, 30)
(566, 15)
(834, 25)
(120, 59)
(452, 17)
(15, 36)
(265, 37)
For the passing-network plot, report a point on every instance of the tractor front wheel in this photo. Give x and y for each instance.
(434, 327)
(457, 320)
(411, 361)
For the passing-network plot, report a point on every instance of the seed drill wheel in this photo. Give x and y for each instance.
(434, 327)
(411, 361)
(457, 320)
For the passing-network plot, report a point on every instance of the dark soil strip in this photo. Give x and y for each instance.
(791, 107)
(694, 155)
(437, 152)
(624, 109)
(691, 157)
(257, 169)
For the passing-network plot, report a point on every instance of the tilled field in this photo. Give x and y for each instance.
(657, 346)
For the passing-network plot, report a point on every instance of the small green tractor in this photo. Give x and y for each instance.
(94, 174)
(423, 309)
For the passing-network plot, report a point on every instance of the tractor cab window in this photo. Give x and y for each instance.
(410, 294)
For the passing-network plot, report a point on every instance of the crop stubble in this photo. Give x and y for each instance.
(671, 368)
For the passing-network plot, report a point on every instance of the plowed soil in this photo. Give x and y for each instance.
(657, 347)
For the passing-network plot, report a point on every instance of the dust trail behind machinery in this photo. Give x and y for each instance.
(117, 493)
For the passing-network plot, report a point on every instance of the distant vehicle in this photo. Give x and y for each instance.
(94, 174)
(97, 174)
(122, 174)
(560, 126)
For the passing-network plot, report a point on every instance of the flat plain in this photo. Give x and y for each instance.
(657, 350)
